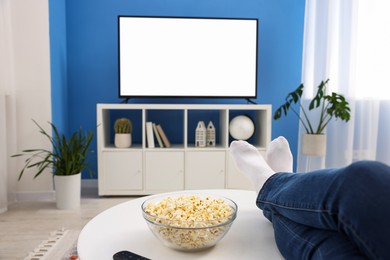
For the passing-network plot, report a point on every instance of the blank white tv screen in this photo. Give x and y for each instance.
(187, 57)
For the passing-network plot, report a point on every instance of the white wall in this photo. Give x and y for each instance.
(25, 78)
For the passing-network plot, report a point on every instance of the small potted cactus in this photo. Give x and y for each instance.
(123, 129)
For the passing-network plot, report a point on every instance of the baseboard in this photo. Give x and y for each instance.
(35, 195)
(88, 187)
(89, 184)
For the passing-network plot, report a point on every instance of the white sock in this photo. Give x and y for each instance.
(279, 156)
(248, 160)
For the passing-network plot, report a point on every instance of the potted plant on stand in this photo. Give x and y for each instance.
(123, 128)
(66, 160)
(331, 106)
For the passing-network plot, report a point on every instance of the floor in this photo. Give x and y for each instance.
(26, 224)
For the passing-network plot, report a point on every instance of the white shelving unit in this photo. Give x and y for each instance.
(140, 170)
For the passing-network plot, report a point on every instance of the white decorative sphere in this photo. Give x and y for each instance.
(241, 127)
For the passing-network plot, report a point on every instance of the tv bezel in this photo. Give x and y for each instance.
(188, 96)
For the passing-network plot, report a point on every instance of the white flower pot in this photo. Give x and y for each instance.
(122, 140)
(314, 145)
(68, 191)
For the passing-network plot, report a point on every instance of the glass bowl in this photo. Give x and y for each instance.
(189, 221)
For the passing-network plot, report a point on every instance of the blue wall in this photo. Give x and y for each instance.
(85, 72)
(58, 56)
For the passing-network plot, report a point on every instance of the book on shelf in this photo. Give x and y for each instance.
(149, 134)
(163, 136)
(157, 135)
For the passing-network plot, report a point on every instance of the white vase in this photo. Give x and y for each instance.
(314, 145)
(122, 140)
(68, 191)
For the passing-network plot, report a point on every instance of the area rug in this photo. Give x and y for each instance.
(61, 244)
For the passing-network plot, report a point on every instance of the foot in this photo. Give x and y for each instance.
(248, 160)
(279, 156)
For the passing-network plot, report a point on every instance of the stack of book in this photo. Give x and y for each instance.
(155, 132)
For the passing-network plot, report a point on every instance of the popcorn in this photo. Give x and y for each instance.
(188, 221)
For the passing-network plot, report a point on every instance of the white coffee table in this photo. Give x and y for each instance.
(123, 228)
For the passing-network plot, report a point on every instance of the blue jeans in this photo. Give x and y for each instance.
(332, 213)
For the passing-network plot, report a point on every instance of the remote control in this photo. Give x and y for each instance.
(126, 255)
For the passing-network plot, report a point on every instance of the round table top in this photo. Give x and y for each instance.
(122, 227)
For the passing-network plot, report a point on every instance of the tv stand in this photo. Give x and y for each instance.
(140, 170)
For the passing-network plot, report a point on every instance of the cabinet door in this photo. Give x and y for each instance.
(164, 171)
(205, 170)
(122, 170)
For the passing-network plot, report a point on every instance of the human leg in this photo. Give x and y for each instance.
(255, 167)
(251, 163)
(352, 201)
(296, 241)
(278, 155)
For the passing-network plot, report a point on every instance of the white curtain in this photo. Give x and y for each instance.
(3, 157)
(349, 42)
(7, 111)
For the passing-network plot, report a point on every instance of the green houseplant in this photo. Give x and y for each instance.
(331, 106)
(67, 158)
(123, 129)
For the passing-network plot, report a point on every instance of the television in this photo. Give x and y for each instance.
(187, 57)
